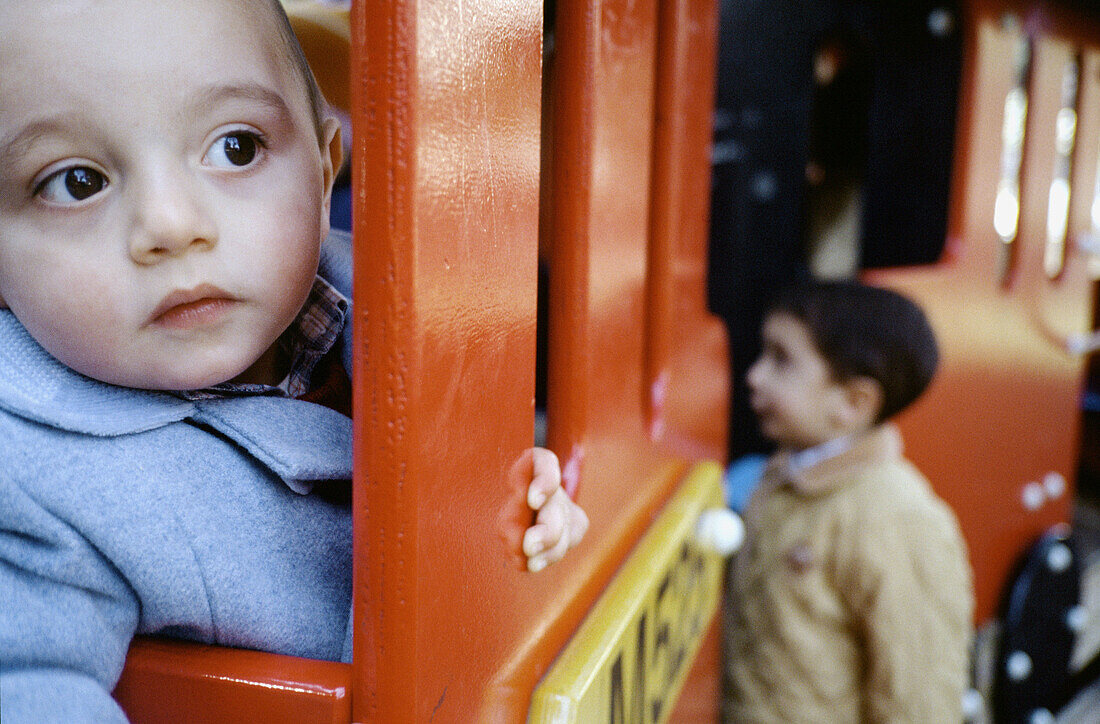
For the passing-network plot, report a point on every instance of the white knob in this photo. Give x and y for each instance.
(1040, 716)
(1076, 618)
(1018, 666)
(1059, 558)
(940, 22)
(1054, 484)
(973, 704)
(1033, 496)
(719, 530)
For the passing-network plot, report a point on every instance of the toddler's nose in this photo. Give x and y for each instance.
(170, 220)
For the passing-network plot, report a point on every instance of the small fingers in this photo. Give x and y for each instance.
(561, 525)
(553, 555)
(536, 554)
(546, 478)
(534, 541)
(549, 526)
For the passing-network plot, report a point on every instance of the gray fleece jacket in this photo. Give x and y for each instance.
(127, 511)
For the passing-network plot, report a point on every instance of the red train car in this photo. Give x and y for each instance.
(484, 146)
(464, 178)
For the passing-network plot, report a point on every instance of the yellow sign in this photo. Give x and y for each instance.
(627, 662)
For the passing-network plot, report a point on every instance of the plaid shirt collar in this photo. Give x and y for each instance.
(311, 335)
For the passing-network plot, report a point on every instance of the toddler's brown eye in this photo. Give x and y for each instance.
(235, 150)
(83, 182)
(240, 149)
(71, 185)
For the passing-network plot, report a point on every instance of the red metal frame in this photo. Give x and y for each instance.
(446, 267)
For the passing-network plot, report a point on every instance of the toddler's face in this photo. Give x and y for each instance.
(792, 389)
(163, 194)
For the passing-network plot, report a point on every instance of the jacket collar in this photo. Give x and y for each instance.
(878, 445)
(35, 386)
(297, 440)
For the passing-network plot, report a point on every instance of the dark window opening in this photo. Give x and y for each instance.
(882, 139)
(542, 315)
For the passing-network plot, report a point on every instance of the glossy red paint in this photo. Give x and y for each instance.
(174, 681)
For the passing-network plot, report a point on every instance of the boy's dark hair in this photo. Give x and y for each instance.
(865, 331)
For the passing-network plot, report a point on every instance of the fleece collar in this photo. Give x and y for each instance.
(878, 445)
(37, 387)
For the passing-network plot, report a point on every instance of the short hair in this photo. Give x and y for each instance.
(299, 64)
(866, 331)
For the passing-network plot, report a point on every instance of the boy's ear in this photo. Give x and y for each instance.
(863, 400)
(332, 156)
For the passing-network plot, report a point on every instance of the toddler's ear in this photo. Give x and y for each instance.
(332, 156)
(863, 402)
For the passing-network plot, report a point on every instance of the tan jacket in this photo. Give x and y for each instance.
(852, 599)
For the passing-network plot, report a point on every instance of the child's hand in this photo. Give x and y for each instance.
(560, 523)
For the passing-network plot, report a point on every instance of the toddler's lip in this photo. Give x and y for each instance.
(189, 307)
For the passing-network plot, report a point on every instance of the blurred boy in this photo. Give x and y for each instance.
(173, 379)
(852, 599)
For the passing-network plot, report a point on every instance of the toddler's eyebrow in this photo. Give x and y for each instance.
(214, 94)
(20, 142)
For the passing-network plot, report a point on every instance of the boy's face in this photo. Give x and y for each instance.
(163, 194)
(793, 393)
